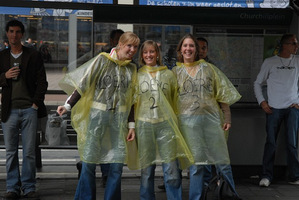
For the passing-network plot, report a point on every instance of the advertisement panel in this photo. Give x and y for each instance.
(219, 3)
(53, 12)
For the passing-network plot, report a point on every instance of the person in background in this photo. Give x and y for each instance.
(203, 49)
(24, 85)
(113, 41)
(101, 96)
(29, 43)
(6, 44)
(204, 96)
(157, 132)
(280, 73)
(44, 50)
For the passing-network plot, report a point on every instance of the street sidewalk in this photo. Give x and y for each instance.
(58, 182)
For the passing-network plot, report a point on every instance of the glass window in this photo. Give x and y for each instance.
(50, 35)
(168, 36)
(239, 54)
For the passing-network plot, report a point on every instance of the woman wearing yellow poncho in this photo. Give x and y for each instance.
(202, 89)
(157, 133)
(101, 98)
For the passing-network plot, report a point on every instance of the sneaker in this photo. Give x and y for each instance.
(294, 182)
(32, 195)
(264, 182)
(11, 195)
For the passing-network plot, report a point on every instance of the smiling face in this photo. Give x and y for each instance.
(149, 55)
(126, 51)
(188, 50)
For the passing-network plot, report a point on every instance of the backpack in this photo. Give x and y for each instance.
(219, 189)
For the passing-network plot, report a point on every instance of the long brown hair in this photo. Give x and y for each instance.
(178, 49)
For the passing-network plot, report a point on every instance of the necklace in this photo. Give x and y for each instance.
(288, 64)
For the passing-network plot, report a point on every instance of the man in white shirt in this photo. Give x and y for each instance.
(280, 73)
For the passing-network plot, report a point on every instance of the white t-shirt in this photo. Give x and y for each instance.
(281, 76)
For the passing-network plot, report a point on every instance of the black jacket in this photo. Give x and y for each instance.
(34, 74)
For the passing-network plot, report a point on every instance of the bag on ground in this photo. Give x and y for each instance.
(219, 189)
(56, 130)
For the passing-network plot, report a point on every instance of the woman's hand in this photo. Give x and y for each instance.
(226, 126)
(131, 134)
(61, 110)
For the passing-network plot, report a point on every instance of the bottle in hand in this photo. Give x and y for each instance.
(18, 66)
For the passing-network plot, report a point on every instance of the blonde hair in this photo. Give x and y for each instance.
(128, 37)
(178, 49)
(157, 49)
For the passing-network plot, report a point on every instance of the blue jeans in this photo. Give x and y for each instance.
(24, 121)
(86, 188)
(172, 181)
(197, 179)
(104, 169)
(207, 174)
(290, 117)
(226, 172)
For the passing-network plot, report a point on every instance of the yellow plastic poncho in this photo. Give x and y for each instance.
(100, 117)
(202, 86)
(157, 132)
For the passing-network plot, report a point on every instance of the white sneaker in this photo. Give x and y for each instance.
(265, 182)
(294, 182)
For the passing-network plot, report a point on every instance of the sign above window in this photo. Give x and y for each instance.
(79, 1)
(219, 3)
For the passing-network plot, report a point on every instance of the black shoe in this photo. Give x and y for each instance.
(11, 195)
(161, 186)
(32, 195)
(104, 181)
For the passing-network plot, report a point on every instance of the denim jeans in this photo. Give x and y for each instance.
(226, 172)
(290, 117)
(172, 181)
(86, 188)
(207, 177)
(196, 181)
(24, 121)
(104, 169)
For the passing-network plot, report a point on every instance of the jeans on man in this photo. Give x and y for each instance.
(86, 188)
(22, 121)
(172, 181)
(290, 117)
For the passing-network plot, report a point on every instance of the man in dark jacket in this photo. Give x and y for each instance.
(24, 84)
